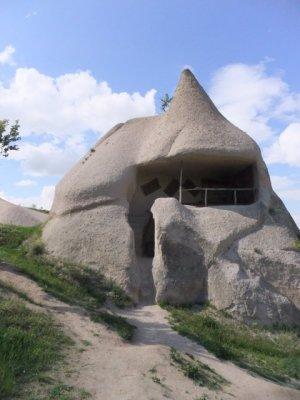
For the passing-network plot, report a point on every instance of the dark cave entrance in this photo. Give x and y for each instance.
(148, 237)
(198, 182)
(194, 181)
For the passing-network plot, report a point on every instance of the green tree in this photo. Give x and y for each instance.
(8, 138)
(165, 101)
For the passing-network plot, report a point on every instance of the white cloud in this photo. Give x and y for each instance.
(68, 105)
(281, 182)
(296, 217)
(65, 108)
(286, 148)
(26, 183)
(288, 188)
(6, 56)
(251, 98)
(43, 200)
(48, 158)
(31, 14)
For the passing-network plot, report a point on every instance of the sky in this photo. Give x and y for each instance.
(71, 69)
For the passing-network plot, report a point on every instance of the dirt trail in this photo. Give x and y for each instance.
(114, 370)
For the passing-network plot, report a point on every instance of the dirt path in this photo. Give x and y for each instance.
(111, 369)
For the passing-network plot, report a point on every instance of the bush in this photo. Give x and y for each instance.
(36, 248)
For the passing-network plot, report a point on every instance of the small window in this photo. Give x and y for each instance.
(150, 187)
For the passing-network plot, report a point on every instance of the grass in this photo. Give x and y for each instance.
(116, 323)
(70, 283)
(30, 343)
(73, 284)
(271, 353)
(297, 245)
(62, 391)
(199, 372)
(12, 289)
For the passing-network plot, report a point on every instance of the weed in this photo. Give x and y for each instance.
(86, 343)
(70, 283)
(116, 323)
(81, 349)
(199, 372)
(297, 245)
(67, 392)
(156, 379)
(13, 236)
(203, 397)
(62, 391)
(30, 343)
(273, 353)
(10, 288)
(37, 248)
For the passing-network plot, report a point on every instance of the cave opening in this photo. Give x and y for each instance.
(206, 182)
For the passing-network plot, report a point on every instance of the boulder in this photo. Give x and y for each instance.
(12, 214)
(179, 207)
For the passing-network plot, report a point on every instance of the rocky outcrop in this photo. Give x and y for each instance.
(239, 256)
(226, 256)
(11, 214)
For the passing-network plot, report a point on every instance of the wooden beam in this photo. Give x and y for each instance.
(180, 185)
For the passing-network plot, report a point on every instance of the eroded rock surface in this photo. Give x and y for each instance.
(12, 214)
(231, 242)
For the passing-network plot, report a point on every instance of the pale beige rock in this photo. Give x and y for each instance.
(12, 214)
(101, 215)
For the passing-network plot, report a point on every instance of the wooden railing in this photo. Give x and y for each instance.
(235, 190)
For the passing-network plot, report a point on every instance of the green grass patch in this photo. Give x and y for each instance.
(116, 323)
(13, 236)
(68, 282)
(297, 245)
(62, 391)
(12, 289)
(73, 284)
(67, 392)
(30, 343)
(199, 372)
(272, 353)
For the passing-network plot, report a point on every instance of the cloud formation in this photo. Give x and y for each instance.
(288, 188)
(68, 105)
(26, 183)
(48, 158)
(6, 55)
(286, 148)
(253, 99)
(43, 200)
(65, 109)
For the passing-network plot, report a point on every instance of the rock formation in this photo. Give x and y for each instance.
(179, 207)
(12, 214)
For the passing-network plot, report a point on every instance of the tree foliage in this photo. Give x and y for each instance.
(8, 138)
(165, 102)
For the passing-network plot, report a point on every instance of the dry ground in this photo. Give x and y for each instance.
(111, 369)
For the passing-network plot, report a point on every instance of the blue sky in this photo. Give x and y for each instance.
(69, 70)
